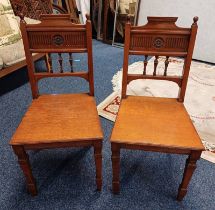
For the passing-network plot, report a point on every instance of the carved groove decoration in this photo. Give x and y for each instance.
(162, 43)
(177, 42)
(138, 41)
(48, 40)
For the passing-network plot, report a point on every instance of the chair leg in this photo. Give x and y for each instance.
(188, 172)
(24, 163)
(115, 167)
(98, 162)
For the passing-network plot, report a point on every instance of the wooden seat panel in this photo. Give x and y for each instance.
(155, 122)
(59, 118)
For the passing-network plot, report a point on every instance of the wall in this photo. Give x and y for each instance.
(186, 10)
(84, 7)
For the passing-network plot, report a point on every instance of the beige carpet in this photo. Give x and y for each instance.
(199, 100)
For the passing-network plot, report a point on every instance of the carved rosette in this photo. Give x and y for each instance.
(57, 40)
(158, 42)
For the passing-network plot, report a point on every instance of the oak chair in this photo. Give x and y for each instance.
(62, 120)
(153, 123)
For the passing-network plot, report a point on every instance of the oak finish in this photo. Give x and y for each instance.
(62, 120)
(150, 123)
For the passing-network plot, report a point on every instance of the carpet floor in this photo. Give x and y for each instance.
(66, 177)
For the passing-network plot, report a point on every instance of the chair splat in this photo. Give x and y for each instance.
(71, 61)
(166, 65)
(155, 65)
(60, 61)
(145, 64)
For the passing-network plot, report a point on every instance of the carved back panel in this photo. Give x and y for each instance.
(159, 37)
(57, 40)
(57, 34)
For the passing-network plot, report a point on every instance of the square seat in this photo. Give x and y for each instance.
(150, 121)
(59, 118)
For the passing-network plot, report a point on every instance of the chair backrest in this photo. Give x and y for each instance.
(57, 34)
(159, 37)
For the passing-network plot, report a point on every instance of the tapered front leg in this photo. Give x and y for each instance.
(98, 162)
(188, 172)
(23, 161)
(115, 167)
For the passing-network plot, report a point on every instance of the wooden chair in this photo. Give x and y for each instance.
(153, 123)
(62, 120)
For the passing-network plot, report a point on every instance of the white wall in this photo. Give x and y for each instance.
(84, 7)
(186, 10)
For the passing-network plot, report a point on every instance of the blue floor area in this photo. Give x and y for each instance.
(66, 177)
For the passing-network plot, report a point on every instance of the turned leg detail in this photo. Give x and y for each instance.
(98, 162)
(188, 172)
(115, 167)
(24, 163)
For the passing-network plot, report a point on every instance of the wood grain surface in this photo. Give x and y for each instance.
(59, 118)
(155, 121)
